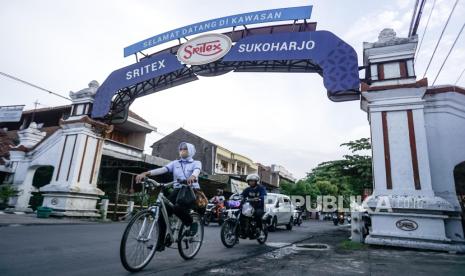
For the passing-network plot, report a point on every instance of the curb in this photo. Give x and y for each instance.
(40, 224)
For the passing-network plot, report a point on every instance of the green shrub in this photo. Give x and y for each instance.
(7, 191)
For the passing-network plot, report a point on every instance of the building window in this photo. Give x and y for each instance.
(224, 166)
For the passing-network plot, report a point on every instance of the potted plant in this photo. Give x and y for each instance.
(43, 212)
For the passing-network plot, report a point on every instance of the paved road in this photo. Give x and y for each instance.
(94, 249)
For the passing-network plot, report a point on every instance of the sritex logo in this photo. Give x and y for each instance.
(406, 225)
(204, 49)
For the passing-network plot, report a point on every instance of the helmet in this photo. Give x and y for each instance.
(253, 177)
(247, 209)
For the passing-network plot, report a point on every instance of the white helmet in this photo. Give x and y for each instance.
(252, 177)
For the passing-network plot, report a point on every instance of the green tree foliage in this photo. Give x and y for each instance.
(7, 191)
(345, 177)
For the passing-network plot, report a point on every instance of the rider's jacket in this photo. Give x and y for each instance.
(256, 192)
(182, 169)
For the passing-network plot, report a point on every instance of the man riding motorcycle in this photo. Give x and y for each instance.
(256, 193)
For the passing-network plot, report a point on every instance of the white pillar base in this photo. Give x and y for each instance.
(414, 222)
(72, 202)
(452, 247)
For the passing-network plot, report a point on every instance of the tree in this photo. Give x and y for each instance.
(345, 177)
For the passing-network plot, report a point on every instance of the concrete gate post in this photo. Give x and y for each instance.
(73, 190)
(404, 208)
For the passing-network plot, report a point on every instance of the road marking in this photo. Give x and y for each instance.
(277, 244)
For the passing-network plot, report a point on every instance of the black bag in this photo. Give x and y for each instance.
(186, 196)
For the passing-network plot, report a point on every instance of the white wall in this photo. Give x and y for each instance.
(445, 127)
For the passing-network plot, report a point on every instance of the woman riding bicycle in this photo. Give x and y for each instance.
(185, 170)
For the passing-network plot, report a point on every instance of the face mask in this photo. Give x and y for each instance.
(184, 154)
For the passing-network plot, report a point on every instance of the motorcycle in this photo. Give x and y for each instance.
(338, 218)
(232, 228)
(211, 214)
(297, 217)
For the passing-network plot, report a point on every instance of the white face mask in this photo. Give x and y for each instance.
(183, 154)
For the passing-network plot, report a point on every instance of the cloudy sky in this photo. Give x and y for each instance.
(271, 118)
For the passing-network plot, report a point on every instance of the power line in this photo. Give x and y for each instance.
(418, 18)
(424, 31)
(461, 74)
(413, 18)
(451, 48)
(33, 85)
(440, 37)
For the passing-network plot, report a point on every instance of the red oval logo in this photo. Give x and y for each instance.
(204, 49)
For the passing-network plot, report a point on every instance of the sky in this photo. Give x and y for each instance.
(272, 118)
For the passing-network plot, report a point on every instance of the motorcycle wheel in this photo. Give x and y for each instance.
(228, 237)
(265, 231)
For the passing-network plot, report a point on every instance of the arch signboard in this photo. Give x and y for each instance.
(293, 48)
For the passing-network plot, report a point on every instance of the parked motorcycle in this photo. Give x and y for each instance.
(232, 228)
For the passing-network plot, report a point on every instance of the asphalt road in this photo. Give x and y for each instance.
(94, 250)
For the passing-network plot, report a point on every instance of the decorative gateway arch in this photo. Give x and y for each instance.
(411, 160)
(287, 48)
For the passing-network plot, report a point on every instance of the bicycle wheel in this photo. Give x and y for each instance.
(139, 241)
(189, 246)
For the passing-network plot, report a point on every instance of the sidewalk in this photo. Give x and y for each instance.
(21, 219)
(343, 258)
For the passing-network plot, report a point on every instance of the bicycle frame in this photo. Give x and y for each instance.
(161, 203)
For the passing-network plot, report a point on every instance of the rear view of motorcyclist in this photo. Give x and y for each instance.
(255, 193)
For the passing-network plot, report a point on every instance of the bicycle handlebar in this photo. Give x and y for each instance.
(154, 184)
